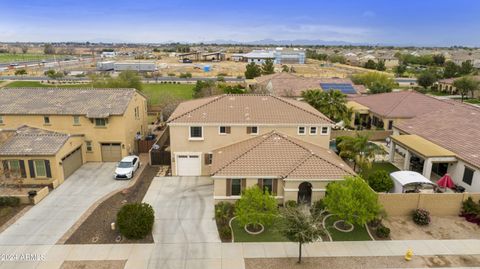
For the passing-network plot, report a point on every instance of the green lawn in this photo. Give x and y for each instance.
(268, 235)
(380, 166)
(473, 101)
(157, 91)
(359, 233)
(154, 92)
(20, 57)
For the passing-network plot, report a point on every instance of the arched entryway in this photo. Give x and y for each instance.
(304, 193)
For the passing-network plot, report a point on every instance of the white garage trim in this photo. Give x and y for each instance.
(188, 163)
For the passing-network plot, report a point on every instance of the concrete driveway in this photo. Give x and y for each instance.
(46, 222)
(184, 210)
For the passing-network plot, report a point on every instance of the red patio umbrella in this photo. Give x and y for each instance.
(445, 182)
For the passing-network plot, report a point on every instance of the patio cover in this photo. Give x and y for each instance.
(357, 107)
(403, 178)
(422, 146)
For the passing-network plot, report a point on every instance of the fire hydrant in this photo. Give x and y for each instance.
(409, 254)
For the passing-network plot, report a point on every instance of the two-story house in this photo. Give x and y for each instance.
(48, 133)
(241, 140)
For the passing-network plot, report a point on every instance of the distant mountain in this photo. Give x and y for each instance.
(299, 42)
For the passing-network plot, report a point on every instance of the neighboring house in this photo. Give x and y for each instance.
(106, 121)
(289, 168)
(38, 156)
(446, 85)
(207, 132)
(406, 82)
(383, 110)
(446, 140)
(290, 85)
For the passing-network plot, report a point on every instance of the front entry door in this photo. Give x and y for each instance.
(304, 193)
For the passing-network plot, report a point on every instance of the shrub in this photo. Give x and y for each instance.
(290, 204)
(225, 232)
(382, 231)
(171, 74)
(135, 221)
(380, 181)
(256, 207)
(470, 207)
(421, 216)
(9, 201)
(224, 212)
(185, 75)
(317, 208)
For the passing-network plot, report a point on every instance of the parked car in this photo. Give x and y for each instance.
(126, 167)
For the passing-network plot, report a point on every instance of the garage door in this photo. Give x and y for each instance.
(111, 152)
(189, 165)
(72, 162)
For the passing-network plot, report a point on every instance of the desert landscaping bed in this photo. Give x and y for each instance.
(447, 227)
(364, 262)
(96, 229)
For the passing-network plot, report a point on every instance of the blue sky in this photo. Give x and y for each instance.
(396, 22)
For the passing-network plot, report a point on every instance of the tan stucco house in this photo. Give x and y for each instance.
(66, 128)
(383, 110)
(224, 136)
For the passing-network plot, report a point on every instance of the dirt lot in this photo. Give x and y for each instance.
(363, 262)
(403, 228)
(96, 228)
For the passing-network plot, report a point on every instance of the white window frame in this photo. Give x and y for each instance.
(321, 130)
(76, 120)
(35, 168)
(304, 130)
(190, 133)
(313, 128)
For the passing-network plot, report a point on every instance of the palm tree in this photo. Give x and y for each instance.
(358, 149)
(331, 103)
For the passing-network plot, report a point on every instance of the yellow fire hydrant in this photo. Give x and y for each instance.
(409, 254)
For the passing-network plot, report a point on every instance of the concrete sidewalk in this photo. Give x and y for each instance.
(226, 255)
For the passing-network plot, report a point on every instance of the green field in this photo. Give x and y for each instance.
(19, 57)
(473, 101)
(154, 92)
(386, 166)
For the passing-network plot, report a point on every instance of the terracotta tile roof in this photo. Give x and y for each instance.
(94, 103)
(247, 109)
(402, 104)
(287, 84)
(277, 155)
(33, 141)
(455, 127)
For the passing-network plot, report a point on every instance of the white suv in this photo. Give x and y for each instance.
(127, 167)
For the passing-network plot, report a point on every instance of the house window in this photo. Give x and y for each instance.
(301, 130)
(324, 130)
(14, 166)
(76, 120)
(252, 130)
(196, 132)
(46, 120)
(313, 130)
(40, 168)
(224, 129)
(267, 185)
(208, 158)
(100, 122)
(137, 113)
(236, 188)
(390, 124)
(1, 119)
(88, 145)
(468, 176)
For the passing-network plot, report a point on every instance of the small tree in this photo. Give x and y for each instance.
(256, 207)
(285, 68)
(24, 49)
(376, 82)
(267, 67)
(352, 200)
(465, 85)
(135, 221)
(381, 65)
(252, 71)
(358, 149)
(380, 181)
(20, 72)
(332, 104)
(48, 49)
(451, 70)
(300, 226)
(370, 64)
(426, 79)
